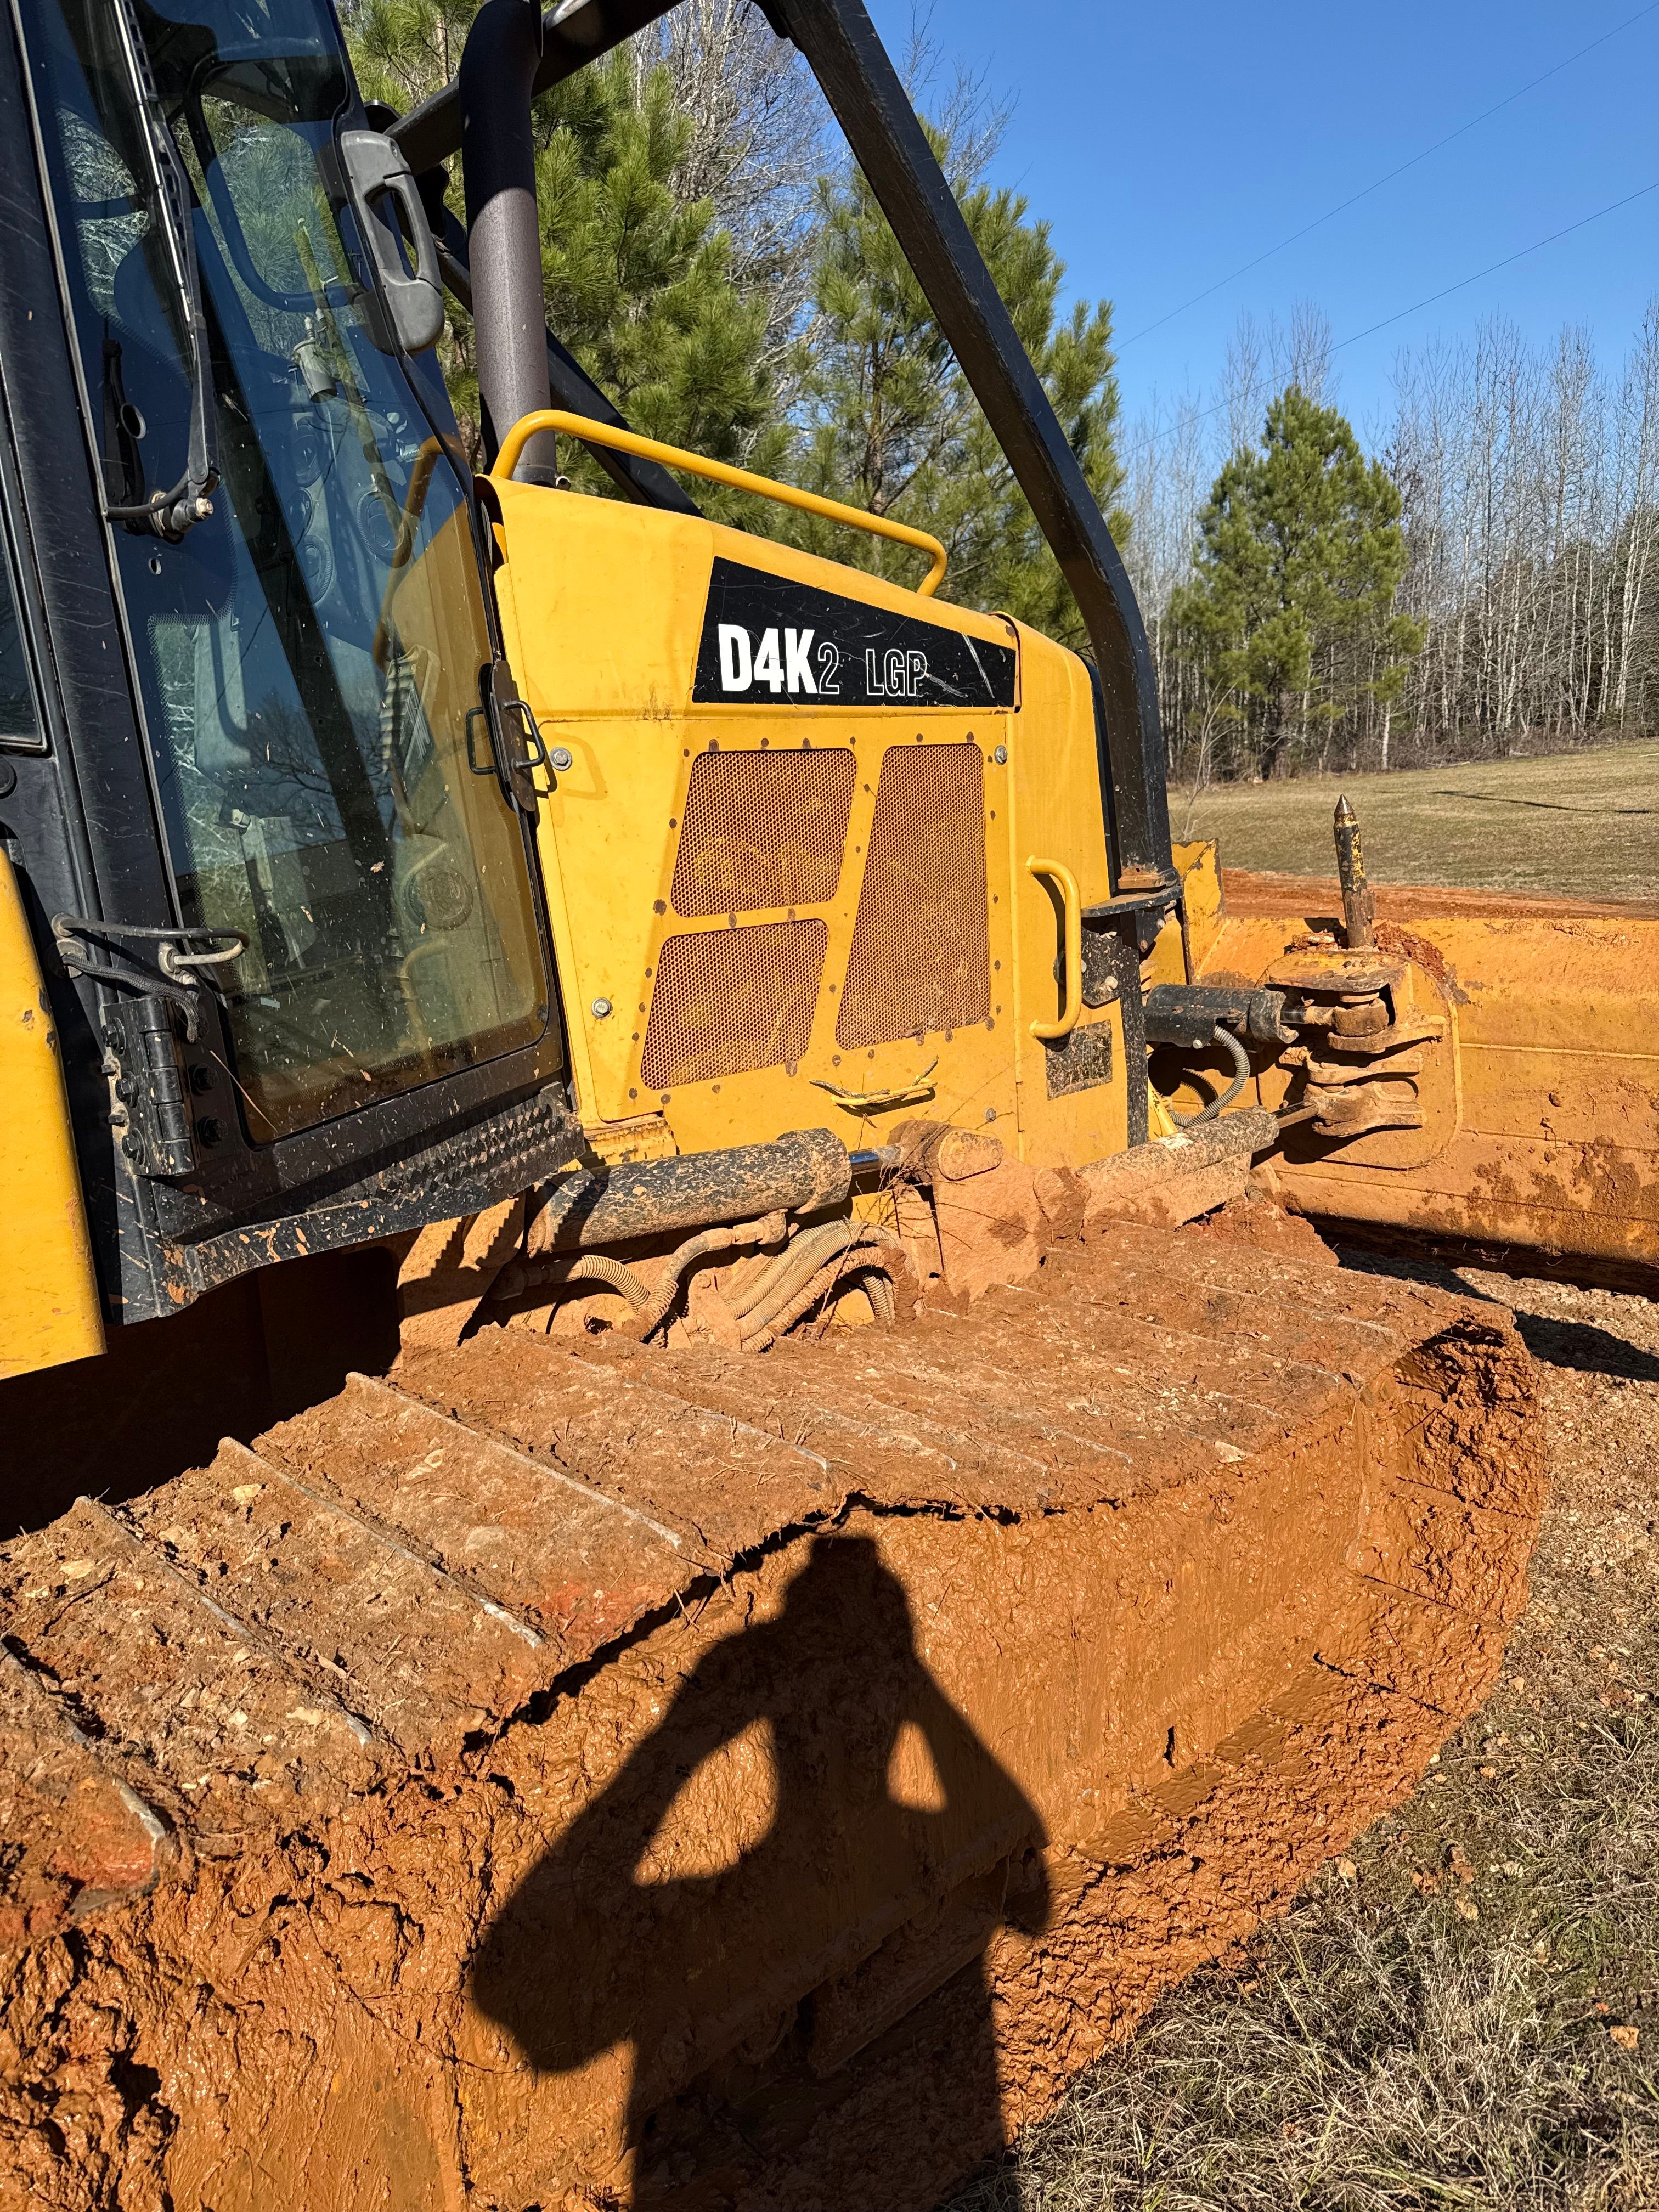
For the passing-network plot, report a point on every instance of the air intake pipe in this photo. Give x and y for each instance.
(504, 249)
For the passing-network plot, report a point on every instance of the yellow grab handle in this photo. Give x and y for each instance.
(590, 432)
(1072, 899)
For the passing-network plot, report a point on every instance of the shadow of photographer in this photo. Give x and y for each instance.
(810, 1814)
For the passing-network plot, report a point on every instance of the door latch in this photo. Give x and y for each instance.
(518, 754)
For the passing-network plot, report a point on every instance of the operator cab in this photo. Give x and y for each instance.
(339, 921)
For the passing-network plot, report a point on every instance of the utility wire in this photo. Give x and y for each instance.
(1462, 283)
(1366, 191)
(1612, 206)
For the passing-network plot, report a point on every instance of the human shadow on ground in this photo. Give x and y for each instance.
(718, 1935)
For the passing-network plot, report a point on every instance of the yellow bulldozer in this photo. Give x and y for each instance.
(687, 1495)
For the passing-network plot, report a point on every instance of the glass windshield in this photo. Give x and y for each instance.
(309, 655)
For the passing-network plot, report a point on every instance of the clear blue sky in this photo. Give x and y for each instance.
(1168, 145)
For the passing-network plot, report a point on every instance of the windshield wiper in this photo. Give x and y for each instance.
(171, 514)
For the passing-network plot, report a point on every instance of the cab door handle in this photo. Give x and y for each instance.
(1059, 874)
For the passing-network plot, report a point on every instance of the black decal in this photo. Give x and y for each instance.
(1080, 1061)
(771, 641)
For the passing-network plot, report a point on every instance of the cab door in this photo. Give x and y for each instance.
(349, 895)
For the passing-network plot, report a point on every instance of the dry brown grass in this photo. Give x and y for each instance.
(1582, 825)
(1433, 2024)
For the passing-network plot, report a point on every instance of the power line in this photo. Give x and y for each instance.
(1463, 284)
(1463, 281)
(1366, 191)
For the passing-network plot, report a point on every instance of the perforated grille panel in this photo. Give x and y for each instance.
(729, 999)
(920, 956)
(762, 829)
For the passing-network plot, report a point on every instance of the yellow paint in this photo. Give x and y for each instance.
(591, 432)
(1201, 881)
(49, 1309)
(602, 603)
(1541, 1097)
(1057, 872)
(1160, 1121)
(647, 1137)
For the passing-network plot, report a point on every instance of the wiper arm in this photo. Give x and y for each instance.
(171, 514)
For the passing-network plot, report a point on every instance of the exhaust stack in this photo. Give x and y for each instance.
(498, 170)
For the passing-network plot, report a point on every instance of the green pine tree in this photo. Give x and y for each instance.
(1289, 613)
(638, 281)
(893, 427)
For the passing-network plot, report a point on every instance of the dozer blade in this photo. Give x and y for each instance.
(1535, 1109)
(642, 1778)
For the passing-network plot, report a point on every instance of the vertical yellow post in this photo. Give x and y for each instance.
(49, 1309)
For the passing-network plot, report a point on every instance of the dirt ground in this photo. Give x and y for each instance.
(1464, 2010)
(1583, 824)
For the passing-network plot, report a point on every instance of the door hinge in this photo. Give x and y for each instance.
(149, 1087)
(143, 1062)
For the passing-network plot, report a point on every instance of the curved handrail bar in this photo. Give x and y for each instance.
(1060, 875)
(590, 432)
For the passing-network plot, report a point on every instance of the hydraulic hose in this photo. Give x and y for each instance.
(790, 1267)
(586, 1267)
(848, 1266)
(1241, 1060)
(766, 1300)
(655, 1310)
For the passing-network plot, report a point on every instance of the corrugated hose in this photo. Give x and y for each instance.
(760, 1306)
(1241, 1060)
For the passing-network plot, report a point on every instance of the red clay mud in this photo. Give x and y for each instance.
(662, 1779)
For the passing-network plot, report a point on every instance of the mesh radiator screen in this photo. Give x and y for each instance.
(762, 829)
(729, 999)
(921, 956)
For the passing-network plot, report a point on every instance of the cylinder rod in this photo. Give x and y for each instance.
(1358, 900)
(798, 1173)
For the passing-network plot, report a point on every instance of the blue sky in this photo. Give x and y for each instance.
(1168, 145)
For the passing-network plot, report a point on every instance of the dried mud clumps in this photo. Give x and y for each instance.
(728, 1782)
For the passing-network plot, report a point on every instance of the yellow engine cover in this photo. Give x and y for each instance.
(788, 862)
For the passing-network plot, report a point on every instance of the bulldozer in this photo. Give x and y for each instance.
(689, 1495)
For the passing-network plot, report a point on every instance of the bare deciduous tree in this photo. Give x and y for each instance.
(1530, 486)
(759, 143)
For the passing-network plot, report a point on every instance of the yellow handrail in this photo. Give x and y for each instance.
(589, 433)
(1072, 899)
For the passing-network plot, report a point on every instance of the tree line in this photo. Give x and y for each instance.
(1494, 567)
(1484, 581)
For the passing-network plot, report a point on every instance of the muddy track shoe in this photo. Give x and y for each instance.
(643, 1776)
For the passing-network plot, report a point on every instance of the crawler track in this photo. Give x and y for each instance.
(633, 1777)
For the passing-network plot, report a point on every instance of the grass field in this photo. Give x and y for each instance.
(1463, 2012)
(1581, 825)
